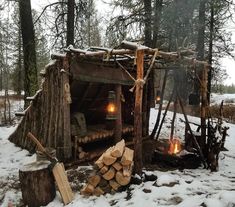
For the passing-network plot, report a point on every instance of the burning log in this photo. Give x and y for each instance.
(113, 170)
(175, 146)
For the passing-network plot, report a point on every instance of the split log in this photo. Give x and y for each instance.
(127, 170)
(115, 186)
(103, 182)
(94, 180)
(117, 166)
(99, 163)
(107, 188)
(98, 191)
(110, 174)
(118, 149)
(37, 184)
(104, 169)
(113, 170)
(108, 159)
(88, 189)
(121, 179)
(127, 157)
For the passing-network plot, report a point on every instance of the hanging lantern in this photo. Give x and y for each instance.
(158, 97)
(111, 110)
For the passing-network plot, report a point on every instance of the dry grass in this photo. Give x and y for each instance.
(228, 111)
(1, 103)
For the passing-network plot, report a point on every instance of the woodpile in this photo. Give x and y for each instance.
(98, 133)
(113, 170)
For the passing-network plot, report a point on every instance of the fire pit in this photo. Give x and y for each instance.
(171, 154)
(175, 146)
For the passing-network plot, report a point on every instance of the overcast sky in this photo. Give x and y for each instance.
(227, 63)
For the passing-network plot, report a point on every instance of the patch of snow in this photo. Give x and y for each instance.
(218, 98)
(165, 180)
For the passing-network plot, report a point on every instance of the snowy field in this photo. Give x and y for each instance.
(217, 98)
(191, 188)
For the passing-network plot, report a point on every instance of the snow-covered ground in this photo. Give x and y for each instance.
(192, 188)
(217, 98)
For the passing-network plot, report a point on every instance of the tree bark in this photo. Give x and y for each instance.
(28, 37)
(19, 65)
(70, 22)
(147, 22)
(37, 184)
(201, 30)
(157, 19)
(210, 50)
(138, 114)
(118, 121)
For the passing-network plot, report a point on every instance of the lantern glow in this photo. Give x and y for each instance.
(158, 97)
(111, 108)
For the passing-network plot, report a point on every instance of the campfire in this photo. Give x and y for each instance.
(175, 146)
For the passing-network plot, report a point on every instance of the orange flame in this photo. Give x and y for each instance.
(174, 146)
(111, 108)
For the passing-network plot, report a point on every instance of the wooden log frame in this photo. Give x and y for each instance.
(138, 113)
(48, 114)
(204, 105)
(129, 49)
(118, 122)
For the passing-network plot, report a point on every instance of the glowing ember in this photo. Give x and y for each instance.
(174, 146)
(111, 108)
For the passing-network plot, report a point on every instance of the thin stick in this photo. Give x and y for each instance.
(165, 113)
(190, 130)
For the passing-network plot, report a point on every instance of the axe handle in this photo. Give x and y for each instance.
(39, 145)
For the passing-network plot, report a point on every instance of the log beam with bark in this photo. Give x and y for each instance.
(138, 112)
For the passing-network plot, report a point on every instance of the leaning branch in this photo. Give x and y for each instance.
(45, 8)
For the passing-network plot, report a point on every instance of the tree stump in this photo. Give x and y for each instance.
(37, 184)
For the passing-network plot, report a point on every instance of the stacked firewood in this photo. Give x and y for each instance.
(112, 171)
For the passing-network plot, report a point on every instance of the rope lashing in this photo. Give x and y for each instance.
(140, 82)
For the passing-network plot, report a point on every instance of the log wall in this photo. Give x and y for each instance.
(48, 116)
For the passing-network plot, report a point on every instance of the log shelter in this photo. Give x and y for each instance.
(70, 109)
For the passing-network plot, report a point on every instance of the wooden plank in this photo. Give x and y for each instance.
(98, 73)
(62, 183)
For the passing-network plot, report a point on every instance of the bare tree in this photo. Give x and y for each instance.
(28, 37)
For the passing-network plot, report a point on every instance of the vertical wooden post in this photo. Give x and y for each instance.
(65, 147)
(118, 122)
(203, 107)
(138, 113)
